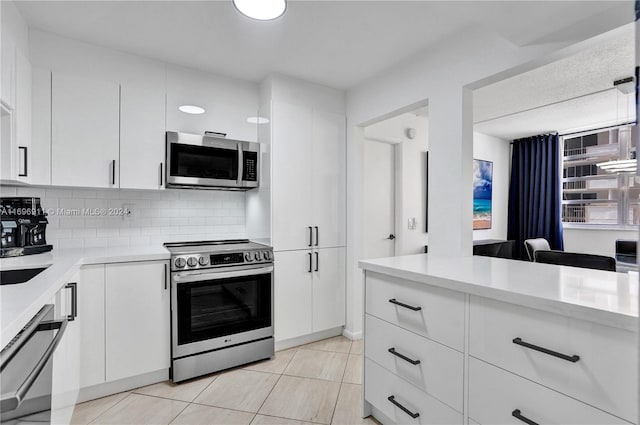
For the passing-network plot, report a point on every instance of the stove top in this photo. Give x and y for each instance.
(221, 253)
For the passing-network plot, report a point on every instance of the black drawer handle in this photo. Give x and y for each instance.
(392, 399)
(410, 307)
(517, 414)
(571, 359)
(393, 351)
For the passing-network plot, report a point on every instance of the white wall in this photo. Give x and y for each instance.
(443, 75)
(14, 26)
(410, 177)
(595, 241)
(498, 151)
(157, 216)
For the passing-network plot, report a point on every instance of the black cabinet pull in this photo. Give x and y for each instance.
(310, 263)
(74, 300)
(571, 359)
(317, 235)
(317, 261)
(24, 148)
(410, 307)
(310, 236)
(161, 176)
(518, 415)
(393, 351)
(392, 399)
(113, 172)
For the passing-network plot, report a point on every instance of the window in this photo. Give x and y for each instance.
(591, 195)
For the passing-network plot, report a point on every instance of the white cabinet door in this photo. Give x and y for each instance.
(137, 319)
(328, 181)
(24, 150)
(40, 152)
(66, 359)
(85, 131)
(328, 289)
(142, 136)
(292, 294)
(91, 313)
(8, 71)
(292, 186)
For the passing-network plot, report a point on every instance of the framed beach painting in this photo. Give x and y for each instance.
(482, 193)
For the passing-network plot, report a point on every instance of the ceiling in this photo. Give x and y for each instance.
(335, 43)
(571, 94)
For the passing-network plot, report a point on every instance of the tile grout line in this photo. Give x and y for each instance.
(109, 408)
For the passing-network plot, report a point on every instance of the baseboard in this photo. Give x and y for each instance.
(306, 339)
(126, 384)
(352, 335)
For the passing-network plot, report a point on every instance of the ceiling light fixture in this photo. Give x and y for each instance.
(262, 10)
(258, 120)
(191, 109)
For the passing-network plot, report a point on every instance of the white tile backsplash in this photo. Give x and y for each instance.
(156, 216)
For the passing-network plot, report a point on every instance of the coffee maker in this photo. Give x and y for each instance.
(23, 226)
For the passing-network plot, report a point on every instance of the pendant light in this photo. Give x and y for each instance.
(262, 10)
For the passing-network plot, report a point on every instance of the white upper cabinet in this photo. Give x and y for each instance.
(142, 136)
(308, 177)
(227, 103)
(8, 71)
(24, 168)
(40, 152)
(292, 183)
(328, 178)
(85, 131)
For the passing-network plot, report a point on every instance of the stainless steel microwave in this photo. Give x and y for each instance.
(207, 162)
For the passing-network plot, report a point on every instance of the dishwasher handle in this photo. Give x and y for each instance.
(11, 400)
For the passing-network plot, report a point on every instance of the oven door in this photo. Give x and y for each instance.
(221, 308)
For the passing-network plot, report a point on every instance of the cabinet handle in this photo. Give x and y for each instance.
(393, 401)
(113, 172)
(317, 235)
(310, 236)
(164, 275)
(160, 174)
(24, 148)
(393, 351)
(74, 300)
(518, 415)
(317, 261)
(410, 307)
(310, 261)
(571, 359)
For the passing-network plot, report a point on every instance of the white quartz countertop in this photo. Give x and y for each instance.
(602, 297)
(20, 302)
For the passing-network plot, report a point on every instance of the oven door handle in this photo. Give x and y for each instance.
(196, 277)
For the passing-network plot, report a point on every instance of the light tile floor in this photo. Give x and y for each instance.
(316, 383)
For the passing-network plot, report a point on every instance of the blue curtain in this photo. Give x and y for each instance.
(535, 194)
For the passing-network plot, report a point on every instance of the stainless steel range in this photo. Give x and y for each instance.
(221, 305)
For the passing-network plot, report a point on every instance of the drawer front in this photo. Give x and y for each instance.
(440, 371)
(441, 312)
(494, 395)
(605, 375)
(380, 384)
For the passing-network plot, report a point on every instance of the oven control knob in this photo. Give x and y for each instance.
(267, 255)
(192, 261)
(203, 261)
(180, 262)
(257, 256)
(248, 258)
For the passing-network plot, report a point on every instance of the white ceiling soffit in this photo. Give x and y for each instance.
(335, 43)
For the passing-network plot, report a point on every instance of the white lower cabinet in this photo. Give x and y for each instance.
(125, 310)
(66, 358)
(136, 319)
(500, 397)
(309, 292)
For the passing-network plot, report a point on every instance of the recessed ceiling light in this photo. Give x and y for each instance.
(257, 120)
(262, 10)
(191, 109)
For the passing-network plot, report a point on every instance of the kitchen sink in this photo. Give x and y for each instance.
(11, 277)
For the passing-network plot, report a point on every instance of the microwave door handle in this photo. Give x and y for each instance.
(240, 165)
(12, 400)
(197, 277)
